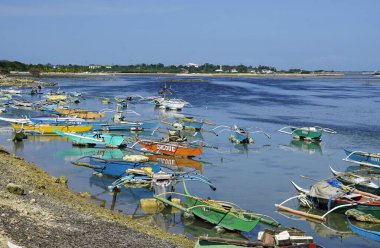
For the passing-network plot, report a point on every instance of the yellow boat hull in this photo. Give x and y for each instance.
(48, 129)
(81, 113)
(57, 97)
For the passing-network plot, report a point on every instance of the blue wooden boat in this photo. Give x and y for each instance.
(147, 177)
(374, 235)
(118, 168)
(108, 140)
(364, 158)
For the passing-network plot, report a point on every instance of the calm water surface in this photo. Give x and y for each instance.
(254, 177)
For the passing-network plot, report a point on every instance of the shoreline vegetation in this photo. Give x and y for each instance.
(44, 212)
(23, 73)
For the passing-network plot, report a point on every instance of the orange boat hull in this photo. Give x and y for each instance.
(177, 161)
(171, 148)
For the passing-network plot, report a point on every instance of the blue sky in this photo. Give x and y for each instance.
(307, 34)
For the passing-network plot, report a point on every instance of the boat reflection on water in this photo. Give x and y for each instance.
(241, 148)
(194, 228)
(78, 152)
(45, 138)
(303, 146)
(172, 161)
(336, 224)
(246, 148)
(167, 220)
(124, 199)
(18, 146)
(168, 114)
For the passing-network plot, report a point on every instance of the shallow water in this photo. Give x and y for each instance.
(255, 176)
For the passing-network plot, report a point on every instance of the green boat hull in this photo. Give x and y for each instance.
(307, 133)
(214, 213)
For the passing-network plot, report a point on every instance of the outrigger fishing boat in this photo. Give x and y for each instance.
(82, 113)
(306, 133)
(331, 195)
(188, 123)
(363, 158)
(276, 238)
(120, 122)
(56, 97)
(374, 235)
(182, 149)
(48, 129)
(92, 139)
(358, 182)
(169, 103)
(145, 176)
(172, 104)
(221, 213)
(22, 103)
(116, 168)
(238, 135)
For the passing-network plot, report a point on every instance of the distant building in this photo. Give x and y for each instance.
(267, 71)
(92, 66)
(192, 65)
(234, 70)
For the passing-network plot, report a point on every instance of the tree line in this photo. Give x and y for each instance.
(8, 66)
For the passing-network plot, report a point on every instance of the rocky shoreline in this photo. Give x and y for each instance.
(22, 81)
(48, 214)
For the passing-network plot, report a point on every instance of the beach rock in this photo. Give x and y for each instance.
(33, 201)
(85, 195)
(15, 189)
(61, 180)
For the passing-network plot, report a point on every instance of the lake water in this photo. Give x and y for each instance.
(254, 177)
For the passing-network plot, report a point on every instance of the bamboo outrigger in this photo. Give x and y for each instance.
(224, 214)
